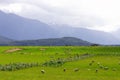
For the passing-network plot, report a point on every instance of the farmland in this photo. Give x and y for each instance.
(59, 63)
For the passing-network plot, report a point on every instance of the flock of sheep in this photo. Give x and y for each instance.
(100, 66)
(64, 70)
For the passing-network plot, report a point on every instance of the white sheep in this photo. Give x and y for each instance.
(42, 71)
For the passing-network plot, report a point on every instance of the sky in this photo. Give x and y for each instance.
(103, 15)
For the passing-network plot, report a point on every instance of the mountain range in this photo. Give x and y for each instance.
(65, 41)
(4, 40)
(93, 36)
(117, 33)
(19, 28)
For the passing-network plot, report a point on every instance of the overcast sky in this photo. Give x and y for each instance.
(94, 14)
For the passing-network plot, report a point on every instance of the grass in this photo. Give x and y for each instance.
(101, 55)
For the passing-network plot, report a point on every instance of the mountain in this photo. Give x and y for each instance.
(19, 28)
(87, 34)
(117, 33)
(65, 41)
(4, 40)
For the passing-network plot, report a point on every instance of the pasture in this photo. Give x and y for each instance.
(59, 63)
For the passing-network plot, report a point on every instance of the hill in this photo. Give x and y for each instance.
(65, 41)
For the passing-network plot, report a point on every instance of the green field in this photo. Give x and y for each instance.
(59, 63)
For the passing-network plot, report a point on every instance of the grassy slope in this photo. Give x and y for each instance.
(107, 56)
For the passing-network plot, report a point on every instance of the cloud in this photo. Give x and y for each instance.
(11, 8)
(94, 14)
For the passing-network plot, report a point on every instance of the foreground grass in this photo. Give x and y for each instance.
(106, 56)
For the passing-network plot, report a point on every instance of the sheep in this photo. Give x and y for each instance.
(76, 69)
(119, 63)
(106, 68)
(90, 64)
(96, 70)
(88, 69)
(64, 69)
(42, 71)
(93, 61)
(98, 63)
(114, 69)
(101, 66)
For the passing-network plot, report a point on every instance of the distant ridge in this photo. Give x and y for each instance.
(65, 41)
(4, 40)
(20, 28)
